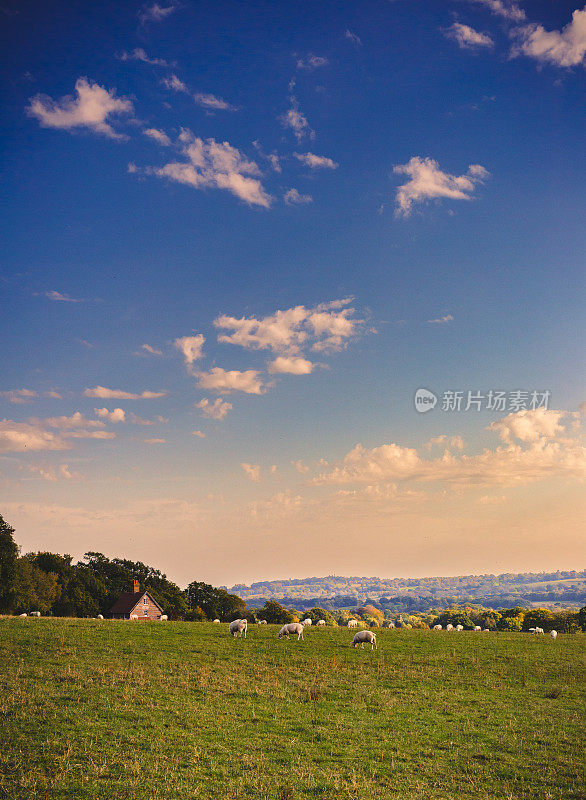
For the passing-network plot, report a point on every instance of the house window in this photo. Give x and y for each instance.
(145, 601)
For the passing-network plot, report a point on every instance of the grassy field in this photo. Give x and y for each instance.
(139, 711)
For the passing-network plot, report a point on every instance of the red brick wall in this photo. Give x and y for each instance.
(153, 611)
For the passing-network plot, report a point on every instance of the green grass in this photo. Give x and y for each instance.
(139, 711)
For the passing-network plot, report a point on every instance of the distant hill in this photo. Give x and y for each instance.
(561, 589)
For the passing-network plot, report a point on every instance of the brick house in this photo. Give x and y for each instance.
(136, 605)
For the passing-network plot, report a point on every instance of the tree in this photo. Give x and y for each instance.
(34, 590)
(315, 614)
(8, 557)
(582, 618)
(274, 613)
(539, 618)
(215, 603)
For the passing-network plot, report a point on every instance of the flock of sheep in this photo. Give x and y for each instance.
(239, 627)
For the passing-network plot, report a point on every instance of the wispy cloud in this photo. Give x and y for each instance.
(152, 350)
(353, 37)
(311, 62)
(92, 108)
(316, 162)
(138, 54)
(158, 136)
(467, 38)
(441, 320)
(210, 102)
(155, 12)
(293, 198)
(62, 298)
(428, 182)
(296, 121)
(191, 347)
(212, 164)
(216, 410)
(118, 394)
(20, 396)
(252, 471)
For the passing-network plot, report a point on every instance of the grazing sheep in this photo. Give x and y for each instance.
(459, 627)
(538, 632)
(238, 627)
(364, 636)
(449, 627)
(292, 627)
(134, 616)
(391, 624)
(164, 617)
(437, 628)
(23, 615)
(216, 622)
(485, 630)
(477, 628)
(321, 623)
(352, 623)
(35, 613)
(262, 622)
(553, 634)
(100, 616)
(306, 622)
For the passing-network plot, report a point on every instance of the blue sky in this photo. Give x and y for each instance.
(408, 176)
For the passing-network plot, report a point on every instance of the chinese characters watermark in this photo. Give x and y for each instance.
(475, 400)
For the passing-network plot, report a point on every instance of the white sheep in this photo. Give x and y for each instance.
(306, 622)
(538, 632)
(449, 627)
(477, 628)
(23, 615)
(292, 627)
(364, 636)
(216, 622)
(262, 622)
(238, 627)
(485, 630)
(100, 616)
(437, 628)
(531, 630)
(35, 613)
(391, 624)
(321, 623)
(459, 627)
(352, 623)
(553, 634)
(164, 617)
(134, 616)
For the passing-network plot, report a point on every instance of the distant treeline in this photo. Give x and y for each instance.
(52, 584)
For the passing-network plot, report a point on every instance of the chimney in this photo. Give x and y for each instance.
(136, 586)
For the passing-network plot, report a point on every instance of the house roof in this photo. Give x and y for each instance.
(129, 600)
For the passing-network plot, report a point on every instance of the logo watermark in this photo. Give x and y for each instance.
(475, 400)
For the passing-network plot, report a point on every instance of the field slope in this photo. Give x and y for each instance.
(97, 709)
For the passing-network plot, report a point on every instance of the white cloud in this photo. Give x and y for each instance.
(293, 198)
(62, 298)
(441, 320)
(467, 38)
(175, 84)
(325, 327)
(49, 434)
(138, 54)
(212, 103)
(191, 347)
(300, 467)
(530, 425)
(152, 350)
(252, 471)
(155, 12)
(542, 454)
(92, 108)
(291, 365)
(218, 165)
(311, 62)
(446, 441)
(53, 474)
(158, 136)
(20, 395)
(294, 119)
(216, 410)
(565, 48)
(353, 37)
(199, 434)
(316, 162)
(155, 441)
(117, 415)
(118, 394)
(508, 9)
(427, 182)
(227, 381)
